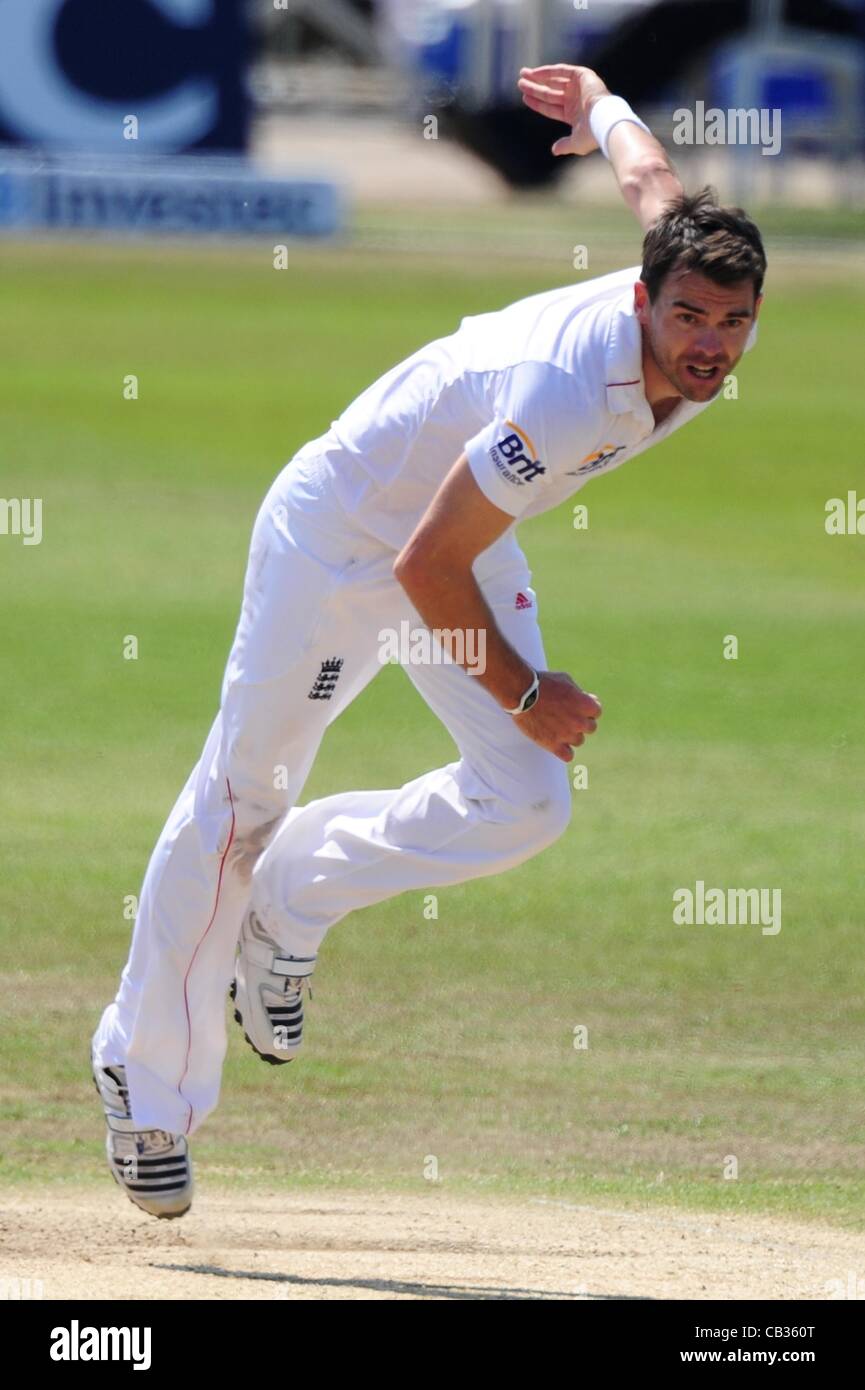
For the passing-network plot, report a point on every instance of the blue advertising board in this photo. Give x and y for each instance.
(171, 196)
(155, 76)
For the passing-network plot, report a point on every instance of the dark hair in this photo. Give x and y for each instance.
(694, 233)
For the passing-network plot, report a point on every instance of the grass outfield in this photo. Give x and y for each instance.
(454, 1037)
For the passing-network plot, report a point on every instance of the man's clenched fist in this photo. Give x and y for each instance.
(561, 716)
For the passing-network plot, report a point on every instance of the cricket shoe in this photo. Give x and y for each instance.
(267, 991)
(152, 1166)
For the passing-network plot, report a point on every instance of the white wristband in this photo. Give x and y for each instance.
(608, 112)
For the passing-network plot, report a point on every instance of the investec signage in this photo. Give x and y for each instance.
(180, 193)
(71, 71)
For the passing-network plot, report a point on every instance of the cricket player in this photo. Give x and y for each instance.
(404, 513)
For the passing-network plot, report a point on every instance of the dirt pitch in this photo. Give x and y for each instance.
(430, 1246)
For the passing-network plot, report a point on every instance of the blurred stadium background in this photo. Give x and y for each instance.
(355, 92)
(153, 154)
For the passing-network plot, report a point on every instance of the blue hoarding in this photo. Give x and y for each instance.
(155, 76)
(174, 196)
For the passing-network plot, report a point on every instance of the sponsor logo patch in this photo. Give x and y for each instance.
(523, 601)
(515, 457)
(597, 460)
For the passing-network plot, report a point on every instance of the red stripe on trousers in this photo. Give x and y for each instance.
(195, 953)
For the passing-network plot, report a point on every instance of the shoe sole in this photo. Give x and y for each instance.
(265, 1056)
(159, 1215)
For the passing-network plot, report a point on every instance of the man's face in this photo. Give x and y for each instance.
(697, 330)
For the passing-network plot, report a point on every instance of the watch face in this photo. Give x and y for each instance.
(531, 700)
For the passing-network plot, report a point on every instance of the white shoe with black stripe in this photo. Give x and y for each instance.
(267, 991)
(152, 1166)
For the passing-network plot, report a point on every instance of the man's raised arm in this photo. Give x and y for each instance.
(578, 98)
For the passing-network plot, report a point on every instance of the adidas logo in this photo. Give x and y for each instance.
(522, 601)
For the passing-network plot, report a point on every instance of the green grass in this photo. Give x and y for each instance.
(453, 1037)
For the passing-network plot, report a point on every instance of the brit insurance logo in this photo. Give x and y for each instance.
(516, 457)
(592, 462)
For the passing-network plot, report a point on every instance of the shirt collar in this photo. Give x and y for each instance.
(624, 362)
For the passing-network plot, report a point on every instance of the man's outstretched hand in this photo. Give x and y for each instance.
(567, 94)
(561, 716)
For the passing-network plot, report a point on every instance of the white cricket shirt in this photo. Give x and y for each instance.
(542, 396)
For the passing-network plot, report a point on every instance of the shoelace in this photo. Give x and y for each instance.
(152, 1140)
(146, 1141)
(297, 982)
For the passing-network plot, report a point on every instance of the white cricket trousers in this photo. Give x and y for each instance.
(318, 592)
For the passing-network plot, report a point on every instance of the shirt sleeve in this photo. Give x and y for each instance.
(514, 457)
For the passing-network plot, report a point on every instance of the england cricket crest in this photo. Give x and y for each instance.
(325, 681)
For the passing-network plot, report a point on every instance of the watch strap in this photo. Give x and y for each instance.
(529, 697)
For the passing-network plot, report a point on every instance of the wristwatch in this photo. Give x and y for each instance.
(529, 698)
